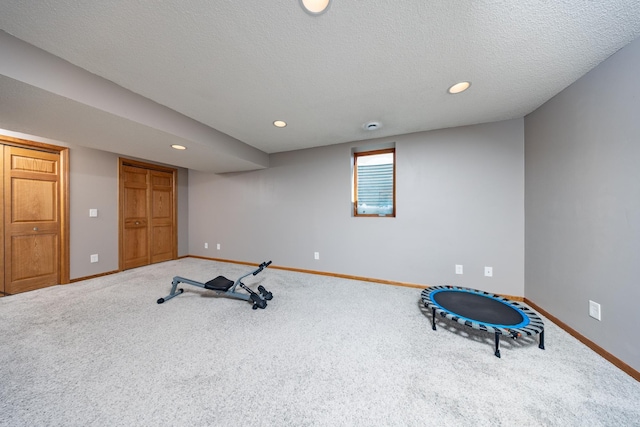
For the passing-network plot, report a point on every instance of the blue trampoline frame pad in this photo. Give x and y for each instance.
(530, 323)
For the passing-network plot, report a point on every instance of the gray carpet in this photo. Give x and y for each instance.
(325, 352)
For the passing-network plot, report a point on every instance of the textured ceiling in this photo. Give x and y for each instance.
(236, 66)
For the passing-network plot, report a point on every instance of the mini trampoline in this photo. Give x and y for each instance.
(484, 311)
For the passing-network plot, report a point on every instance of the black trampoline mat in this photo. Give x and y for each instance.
(479, 308)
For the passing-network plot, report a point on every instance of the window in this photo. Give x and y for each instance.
(374, 185)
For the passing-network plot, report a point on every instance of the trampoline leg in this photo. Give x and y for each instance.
(433, 319)
(541, 345)
(497, 353)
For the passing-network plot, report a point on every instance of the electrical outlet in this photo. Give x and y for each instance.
(93, 213)
(458, 269)
(488, 271)
(218, 246)
(94, 258)
(316, 255)
(206, 246)
(594, 310)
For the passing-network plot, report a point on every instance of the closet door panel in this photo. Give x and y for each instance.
(31, 219)
(162, 221)
(147, 214)
(135, 215)
(2, 262)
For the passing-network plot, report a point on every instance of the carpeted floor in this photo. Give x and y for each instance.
(325, 352)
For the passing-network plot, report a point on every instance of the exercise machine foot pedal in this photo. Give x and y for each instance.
(258, 302)
(265, 293)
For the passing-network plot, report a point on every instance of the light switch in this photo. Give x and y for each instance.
(93, 213)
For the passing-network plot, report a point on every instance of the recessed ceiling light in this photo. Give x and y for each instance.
(179, 147)
(315, 7)
(459, 87)
(372, 126)
(279, 124)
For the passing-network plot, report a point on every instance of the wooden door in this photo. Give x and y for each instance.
(163, 242)
(32, 219)
(135, 213)
(2, 287)
(147, 214)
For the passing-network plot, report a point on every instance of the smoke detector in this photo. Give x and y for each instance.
(372, 126)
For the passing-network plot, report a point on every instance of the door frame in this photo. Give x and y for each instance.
(122, 161)
(63, 152)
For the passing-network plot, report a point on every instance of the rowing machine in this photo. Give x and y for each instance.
(223, 286)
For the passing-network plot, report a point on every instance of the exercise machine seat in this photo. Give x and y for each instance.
(220, 283)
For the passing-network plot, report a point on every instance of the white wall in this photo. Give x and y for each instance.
(460, 200)
(583, 204)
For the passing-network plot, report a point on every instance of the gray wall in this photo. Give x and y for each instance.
(94, 184)
(460, 200)
(582, 156)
